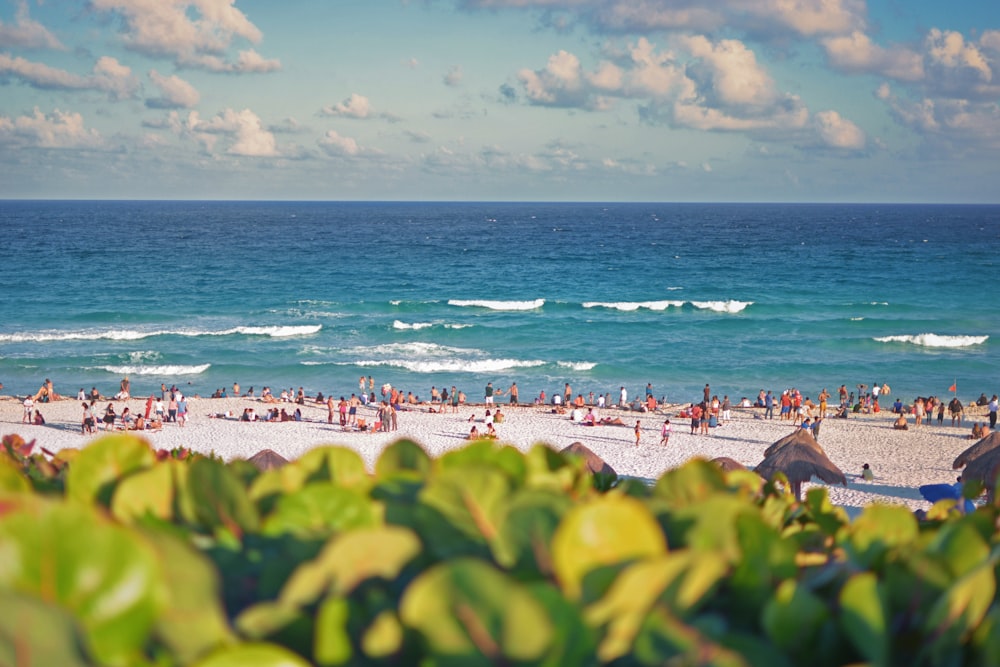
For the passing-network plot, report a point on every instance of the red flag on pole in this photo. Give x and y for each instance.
(954, 386)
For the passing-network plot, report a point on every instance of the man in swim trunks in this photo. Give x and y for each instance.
(488, 393)
(513, 393)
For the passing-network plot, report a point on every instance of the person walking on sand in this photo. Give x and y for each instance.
(638, 432)
(665, 433)
(182, 410)
(992, 408)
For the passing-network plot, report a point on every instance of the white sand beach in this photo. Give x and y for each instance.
(901, 460)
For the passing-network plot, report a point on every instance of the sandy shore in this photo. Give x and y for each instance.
(901, 460)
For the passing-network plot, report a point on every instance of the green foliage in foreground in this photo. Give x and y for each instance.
(114, 556)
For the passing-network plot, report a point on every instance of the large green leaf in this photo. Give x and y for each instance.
(403, 458)
(148, 492)
(192, 621)
(349, 559)
(529, 522)
(960, 610)
(253, 655)
(608, 530)
(319, 509)
(691, 483)
(469, 611)
(460, 509)
(793, 616)
(879, 532)
(34, 633)
(96, 471)
(107, 577)
(218, 498)
(864, 617)
(548, 469)
(505, 458)
(12, 480)
(340, 465)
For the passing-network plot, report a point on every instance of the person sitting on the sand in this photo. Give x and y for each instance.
(608, 421)
(498, 417)
(978, 431)
(285, 417)
(490, 431)
(589, 418)
(139, 424)
(473, 433)
(38, 419)
(900, 424)
(866, 473)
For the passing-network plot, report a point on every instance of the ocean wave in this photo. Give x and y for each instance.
(498, 305)
(731, 306)
(165, 369)
(857, 319)
(412, 349)
(633, 305)
(133, 334)
(577, 365)
(935, 340)
(414, 326)
(451, 365)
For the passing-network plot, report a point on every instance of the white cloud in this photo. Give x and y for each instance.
(838, 132)
(728, 74)
(56, 130)
(26, 33)
(355, 106)
(108, 76)
(856, 52)
(338, 145)
(244, 131)
(194, 33)
(175, 92)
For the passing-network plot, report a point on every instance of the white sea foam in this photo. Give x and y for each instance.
(857, 319)
(414, 326)
(165, 369)
(731, 306)
(935, 340)
(633, 305)
(498, 305)
(452, 365)
(577, 365)
(133, 334)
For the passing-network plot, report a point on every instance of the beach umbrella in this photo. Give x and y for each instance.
(799, 436)
(595, 463)
(801, 462)
(990, 442)
(984, 468)
(727, 464)
(268, 459)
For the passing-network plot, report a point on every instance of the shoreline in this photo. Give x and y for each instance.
(901, 460)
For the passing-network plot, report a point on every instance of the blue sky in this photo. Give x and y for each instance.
(565, 100)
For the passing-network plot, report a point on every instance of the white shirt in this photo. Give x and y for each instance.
(624, 395)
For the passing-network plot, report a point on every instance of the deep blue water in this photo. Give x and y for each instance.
(314, 294)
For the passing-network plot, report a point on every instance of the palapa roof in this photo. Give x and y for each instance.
(983, 468)
(594, 462)
(267, 459)
(799, 436)
(728, 464)
(800, 462)
(990, 442)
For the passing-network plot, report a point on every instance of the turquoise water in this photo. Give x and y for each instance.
(289, 294)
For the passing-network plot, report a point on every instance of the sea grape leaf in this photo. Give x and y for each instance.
(547, 468)
(34, 633)
(253, 655)
(505, 458)
(460, 509)
(681, 580)
(666, 640)
(608, 530)
(766, 560)
(573, 641)
(405, 458)
(793, 616)
(864, 617)
(384, 636)
(107, 577)
(349, 559)
(319, 509)
(691, 483)
(529, 522)
(469, 611)
(218, 498)
(192, 621)
(879, 530)
(332, 644)
(12, 480)
(959, 611)
(147, 492)
(959, 547)
(340, 465)
(105, 463)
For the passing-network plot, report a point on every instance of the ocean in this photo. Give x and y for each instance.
(316, 294)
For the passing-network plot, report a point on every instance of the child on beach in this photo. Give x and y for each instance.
(638, 433)
(866, 473)
(665, 433)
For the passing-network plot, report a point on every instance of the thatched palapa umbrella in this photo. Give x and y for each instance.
(799, 436)
(984, 468)
(268, 459)
(989, 443)
(800, 461)
(727, 464)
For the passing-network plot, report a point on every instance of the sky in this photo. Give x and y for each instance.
(501, 100)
